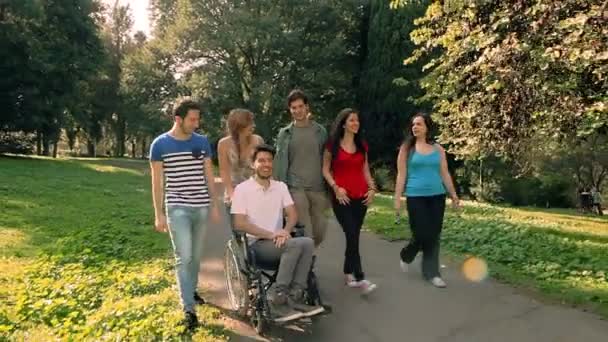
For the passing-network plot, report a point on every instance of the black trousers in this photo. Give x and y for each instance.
(426, 221)
(351, 218)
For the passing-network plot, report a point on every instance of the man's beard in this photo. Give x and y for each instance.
(262, 176)
(184, 129)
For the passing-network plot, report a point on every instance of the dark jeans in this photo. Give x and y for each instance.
(426, 221)
(351, 217)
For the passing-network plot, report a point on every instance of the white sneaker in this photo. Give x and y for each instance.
(438, 282)
(350, 281)
(367, 286)
(353, 283)
(404, 266)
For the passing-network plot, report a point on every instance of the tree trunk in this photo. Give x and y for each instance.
(143, 147)
(481, 176)
(3, 8)
(600, 179)
(363, 49)
(38, 142)
(119, 149)
(71, 135)
(133, 148)
(579, 178)
(90, 148)
(46, 144)
(55, 149)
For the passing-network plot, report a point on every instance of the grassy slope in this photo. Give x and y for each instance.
(80, 258)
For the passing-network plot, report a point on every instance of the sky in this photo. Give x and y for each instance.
(139, 11)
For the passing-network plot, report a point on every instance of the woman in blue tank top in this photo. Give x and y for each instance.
(422, 170)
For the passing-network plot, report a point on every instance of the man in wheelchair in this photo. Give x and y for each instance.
(258, 208)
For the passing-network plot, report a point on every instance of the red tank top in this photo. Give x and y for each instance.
(347, 169)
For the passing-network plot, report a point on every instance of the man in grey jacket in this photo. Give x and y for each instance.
(298, 163)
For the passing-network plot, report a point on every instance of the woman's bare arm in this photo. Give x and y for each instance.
(223, 149)
(401, 176)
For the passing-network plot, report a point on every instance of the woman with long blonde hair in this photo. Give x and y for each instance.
(235, 150)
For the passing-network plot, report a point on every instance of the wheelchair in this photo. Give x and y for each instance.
(248, 281)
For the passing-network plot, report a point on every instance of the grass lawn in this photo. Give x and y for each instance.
(79, 256)
(560, 253)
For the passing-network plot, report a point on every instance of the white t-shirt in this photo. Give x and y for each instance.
(263, 207)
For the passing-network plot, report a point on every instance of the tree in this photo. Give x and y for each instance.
(149, 88)
(584, 160)
(93, 109)
(55, 46)
(388, 89)
(510, 73)
(162, 15)
(251, 53)
(18, 78)
(118, 43)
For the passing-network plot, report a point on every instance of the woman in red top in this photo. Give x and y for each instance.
(346, 170)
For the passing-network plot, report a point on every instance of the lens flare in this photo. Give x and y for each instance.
(475, 269)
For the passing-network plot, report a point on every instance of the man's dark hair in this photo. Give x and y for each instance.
(182, 106)
(262, 148)
(296, 94)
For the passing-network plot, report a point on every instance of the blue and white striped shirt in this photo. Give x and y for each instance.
(184, 169)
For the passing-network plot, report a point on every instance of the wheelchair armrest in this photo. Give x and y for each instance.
(240, 237)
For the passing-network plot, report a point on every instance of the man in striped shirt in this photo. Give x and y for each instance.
(181, 160)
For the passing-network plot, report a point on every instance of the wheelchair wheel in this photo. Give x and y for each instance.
(236, 281)
(312, 291)
(259, 322)
(261, 310)
(313, 296)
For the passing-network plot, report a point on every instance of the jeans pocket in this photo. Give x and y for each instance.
(174, 212)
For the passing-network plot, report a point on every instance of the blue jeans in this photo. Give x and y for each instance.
(187, 226)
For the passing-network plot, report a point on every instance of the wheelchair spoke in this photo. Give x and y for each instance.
(236, 283)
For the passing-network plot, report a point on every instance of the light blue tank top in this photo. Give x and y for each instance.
(424, 174)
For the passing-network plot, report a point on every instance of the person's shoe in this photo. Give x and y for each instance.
(198, 299)
(280, 309)
(190, 320)
(350, 281)
(404, 266)
(305, 309)
(296, 301)
(438, 282)
(367, 286)
(284, 313)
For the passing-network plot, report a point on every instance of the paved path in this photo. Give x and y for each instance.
(404, 308)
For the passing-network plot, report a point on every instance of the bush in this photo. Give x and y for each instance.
(384, 178)
(17, 142)
(501, 183)
(490, 192)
